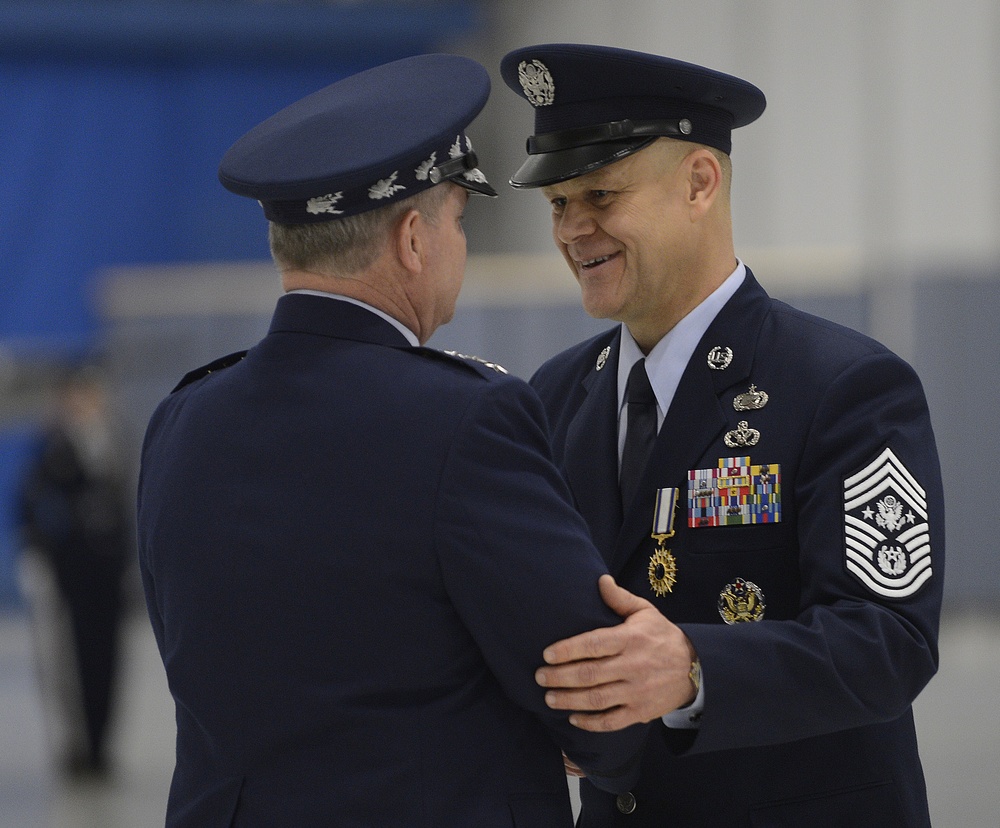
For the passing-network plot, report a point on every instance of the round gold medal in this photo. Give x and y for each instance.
(662, 572)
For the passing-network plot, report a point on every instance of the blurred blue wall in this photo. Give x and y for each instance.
(113, 118)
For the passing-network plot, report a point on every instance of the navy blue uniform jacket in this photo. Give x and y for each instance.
(807, 718)
(354, 553)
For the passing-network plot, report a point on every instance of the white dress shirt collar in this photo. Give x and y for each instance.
(670, 356)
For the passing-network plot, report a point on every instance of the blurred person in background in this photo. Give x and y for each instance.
(75, 517)
(766, 479)
(350, 543)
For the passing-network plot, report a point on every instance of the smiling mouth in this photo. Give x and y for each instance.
(589, 263)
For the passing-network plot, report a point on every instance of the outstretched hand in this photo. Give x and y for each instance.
(618, 676)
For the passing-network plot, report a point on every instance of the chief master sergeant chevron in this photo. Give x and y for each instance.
(769, 480)
(349, 543)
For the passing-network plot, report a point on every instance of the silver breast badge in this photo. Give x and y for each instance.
(742, 436)
(752, 400)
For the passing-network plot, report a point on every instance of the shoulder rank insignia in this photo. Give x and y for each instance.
(886, 531)
(734, 494)
(496, 367)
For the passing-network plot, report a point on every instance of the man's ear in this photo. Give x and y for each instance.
(409, 241)
(704, 180)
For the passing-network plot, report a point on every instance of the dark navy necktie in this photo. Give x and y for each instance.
(641, 430)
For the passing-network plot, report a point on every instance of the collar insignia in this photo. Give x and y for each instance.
(602, 357)
(719, 358)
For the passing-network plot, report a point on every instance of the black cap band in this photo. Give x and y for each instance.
(603, 133)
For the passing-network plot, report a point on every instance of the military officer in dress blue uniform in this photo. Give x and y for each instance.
(350, 544)
(766, 479)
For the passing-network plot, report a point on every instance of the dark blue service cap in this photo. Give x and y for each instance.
(368, 140)
(597, 104)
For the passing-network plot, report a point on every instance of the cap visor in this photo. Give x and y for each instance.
(482, 187)
(548, 168)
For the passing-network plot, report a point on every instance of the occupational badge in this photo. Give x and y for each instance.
(735, 493)
(602, 357)
(752, 400)
(742, 436)
(719, 358)
(662, 564)
(537, 83)
(886, 531)
(741, 601)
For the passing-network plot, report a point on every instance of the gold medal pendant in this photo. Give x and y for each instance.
(662, 571)
(662, 564)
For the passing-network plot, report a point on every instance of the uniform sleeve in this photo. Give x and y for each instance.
(871, 559)
(519, 565)
(145, 574)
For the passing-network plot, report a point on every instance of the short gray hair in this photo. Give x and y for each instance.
(349, 244)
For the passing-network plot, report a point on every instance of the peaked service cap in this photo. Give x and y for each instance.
(375, 137)
(597, 104)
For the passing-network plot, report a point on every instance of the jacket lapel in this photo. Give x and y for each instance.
(591, 458)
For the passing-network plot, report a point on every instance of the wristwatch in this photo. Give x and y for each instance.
(695, 675)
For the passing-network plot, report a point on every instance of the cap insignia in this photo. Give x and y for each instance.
(423, 171)
(324, 204)
(385, 188)
(537, 83)
(475, 174)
